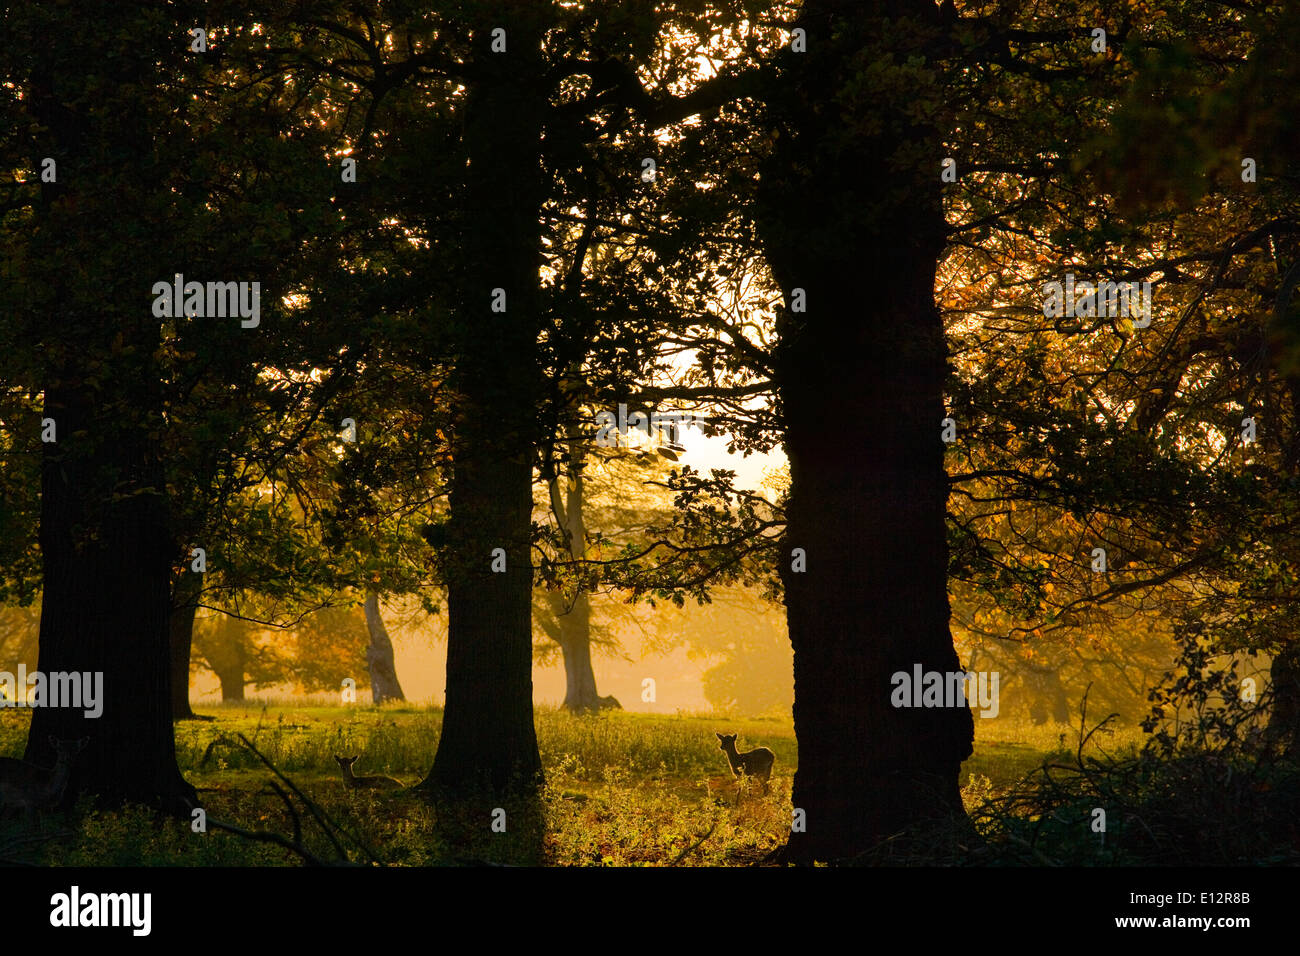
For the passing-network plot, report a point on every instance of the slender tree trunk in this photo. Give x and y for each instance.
(185, 595)
(580, 695)
(379, 656)
(574, 638)
(860, 373)
(573, 623)
(488, 738)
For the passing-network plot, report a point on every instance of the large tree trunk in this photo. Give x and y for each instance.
(106, 606)
(860, 376)
(105, 537)
(180, 639)
(488, 737)
(379, 656)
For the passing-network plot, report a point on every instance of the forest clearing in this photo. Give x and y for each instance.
(791, 439)
(622, 790)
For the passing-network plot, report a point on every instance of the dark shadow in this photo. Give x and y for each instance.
(479, 829)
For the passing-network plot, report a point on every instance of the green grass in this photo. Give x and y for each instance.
(622, 789)
(1007, 751)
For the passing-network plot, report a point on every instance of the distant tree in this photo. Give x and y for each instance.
(746, 638)
(384, 685)
(316, 650)
(240, 653)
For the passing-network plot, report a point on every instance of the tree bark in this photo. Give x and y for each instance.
(227, 655)
(573, 623)
(580, 695)
(106, 607)
(233, 681)
(379, 656)
(1283, 728)
(574, 637)
(860, 378)
(106, 546)
(488, 738)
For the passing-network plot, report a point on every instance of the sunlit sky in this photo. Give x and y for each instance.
(703, 453)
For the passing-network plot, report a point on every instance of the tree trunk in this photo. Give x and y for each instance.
(233, 681)
(860, 375)
(185, 596)
(105, 538)
(228, 657)
(488, 738)
(106, 606)
(1047, 697)
(1283, 728)
(580, 696)
(573, 624)
(379, 656)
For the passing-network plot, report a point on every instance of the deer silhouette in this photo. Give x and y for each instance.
(27, 787)
(752, 763)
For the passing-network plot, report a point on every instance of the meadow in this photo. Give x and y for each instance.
(622, 789)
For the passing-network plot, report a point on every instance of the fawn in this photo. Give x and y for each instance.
(30, 788)
(753, 763)
(369, 782)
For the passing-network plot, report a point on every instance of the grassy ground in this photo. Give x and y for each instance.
(622, 789)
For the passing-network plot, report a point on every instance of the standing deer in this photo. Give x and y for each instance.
(27, 787)
(370, 782)
(752, 763)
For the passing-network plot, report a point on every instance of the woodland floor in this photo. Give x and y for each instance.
(621, 789)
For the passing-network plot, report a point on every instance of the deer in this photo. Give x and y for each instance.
(369, 782)
(27, 787)
(752, 763)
